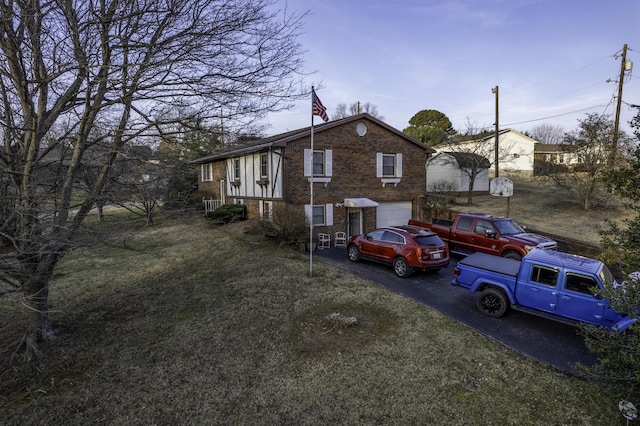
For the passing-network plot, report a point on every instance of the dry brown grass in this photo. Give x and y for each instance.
(543, 208)
(209, 325)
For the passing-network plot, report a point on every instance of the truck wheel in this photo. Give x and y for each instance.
(401, 267)
(492, 303)
(354, 253)
(512, 255)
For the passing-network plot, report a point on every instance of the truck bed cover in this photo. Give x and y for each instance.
(491, 263)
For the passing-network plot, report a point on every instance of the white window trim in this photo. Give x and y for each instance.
(264, 156)
(328, 214)
(398, 169)
(237, 171)
(328, 166)
(206, 172)
(263, 204)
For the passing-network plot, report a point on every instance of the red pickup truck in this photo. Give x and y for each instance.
(475, 232)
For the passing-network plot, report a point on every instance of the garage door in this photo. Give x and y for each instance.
(393, 213)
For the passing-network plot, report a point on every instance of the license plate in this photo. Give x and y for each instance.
(436, 255)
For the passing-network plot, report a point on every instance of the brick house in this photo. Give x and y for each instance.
(366, 174)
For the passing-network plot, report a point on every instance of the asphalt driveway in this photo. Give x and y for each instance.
(549, 342)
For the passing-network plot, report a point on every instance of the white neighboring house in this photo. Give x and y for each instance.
(515, 150)
(454, 167)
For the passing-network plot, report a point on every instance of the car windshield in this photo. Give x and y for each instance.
(606, 276)
(428, 240)
(508, 227)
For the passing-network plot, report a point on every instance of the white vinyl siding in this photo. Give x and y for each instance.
(252, 182)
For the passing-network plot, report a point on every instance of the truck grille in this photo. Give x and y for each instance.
(551, 245)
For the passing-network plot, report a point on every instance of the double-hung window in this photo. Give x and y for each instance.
(236, 169)
(264, 165)
(389, 168)
(318, 165)
(388, 165)
(320, 214)
(206, 172)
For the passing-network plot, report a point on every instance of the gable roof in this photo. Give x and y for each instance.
(505, 131)
(549, 148)
(467, 159)
(282, 139)
(467, 139)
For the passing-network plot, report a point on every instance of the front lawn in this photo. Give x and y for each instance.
(190, 323)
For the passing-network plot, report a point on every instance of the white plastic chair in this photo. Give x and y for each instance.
(324, 241)
(340, 239)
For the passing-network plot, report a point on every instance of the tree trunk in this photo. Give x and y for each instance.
(37, 297)
(40, 327)
(472, 179)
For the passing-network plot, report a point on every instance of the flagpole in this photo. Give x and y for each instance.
(311, 194)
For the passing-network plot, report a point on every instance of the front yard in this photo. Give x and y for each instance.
(191, 323)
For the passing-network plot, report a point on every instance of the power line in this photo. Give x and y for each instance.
(557, 115)
(560, 75)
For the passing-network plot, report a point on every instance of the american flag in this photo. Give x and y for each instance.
(319, 109)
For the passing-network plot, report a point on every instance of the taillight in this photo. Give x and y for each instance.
(419, 252)
(456, 272)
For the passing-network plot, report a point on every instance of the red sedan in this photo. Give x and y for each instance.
(407, 248)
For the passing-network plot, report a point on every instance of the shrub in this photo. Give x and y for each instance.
(228, 213)
(441, 193)
(289, 224)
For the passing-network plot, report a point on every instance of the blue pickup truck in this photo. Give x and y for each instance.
(547, 283)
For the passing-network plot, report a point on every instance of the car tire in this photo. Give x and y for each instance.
(401, 267)
(512, 255)
(354, 253)
(492, 302)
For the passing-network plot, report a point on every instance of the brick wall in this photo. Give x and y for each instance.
(354, 170)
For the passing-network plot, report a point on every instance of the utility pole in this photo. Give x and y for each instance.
(616, 126)
(495, 91)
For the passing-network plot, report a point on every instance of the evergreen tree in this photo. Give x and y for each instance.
(430, 127)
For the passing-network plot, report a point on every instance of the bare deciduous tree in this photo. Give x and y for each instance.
(474, 153)
(72, 64)
(589, 147)
(441, 193)
(548, 133)
(344, 111)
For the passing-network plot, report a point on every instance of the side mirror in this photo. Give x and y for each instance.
(489, 234)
